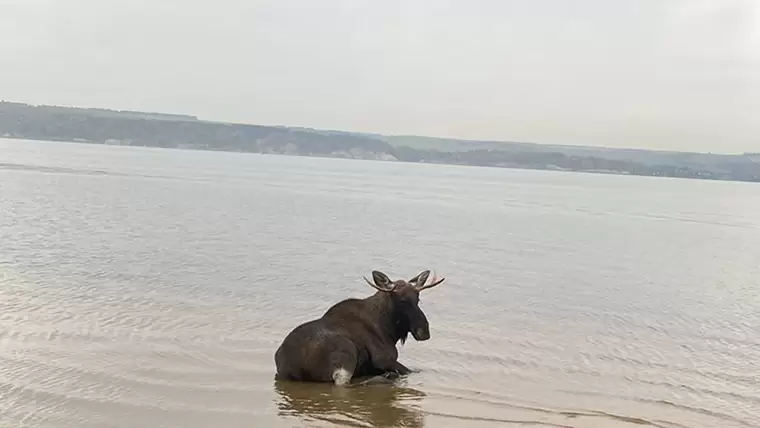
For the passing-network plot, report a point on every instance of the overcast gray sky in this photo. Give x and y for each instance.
(680, 74)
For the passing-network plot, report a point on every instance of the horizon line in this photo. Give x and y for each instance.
(194, 118)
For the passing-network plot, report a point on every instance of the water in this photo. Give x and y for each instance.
(148, 287)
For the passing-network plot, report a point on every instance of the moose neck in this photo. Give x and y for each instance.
(393, 325)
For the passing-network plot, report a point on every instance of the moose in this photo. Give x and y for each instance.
(356, 338)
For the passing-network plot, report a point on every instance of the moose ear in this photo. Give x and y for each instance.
(420, 278)
(381, 279)
(382, 282)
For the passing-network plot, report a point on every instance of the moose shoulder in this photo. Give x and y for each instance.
(357, 337)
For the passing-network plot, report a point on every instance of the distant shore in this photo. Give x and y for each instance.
(130, 128)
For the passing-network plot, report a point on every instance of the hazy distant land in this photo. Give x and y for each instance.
(101, 126)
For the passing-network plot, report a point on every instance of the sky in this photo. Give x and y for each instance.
(659, 74)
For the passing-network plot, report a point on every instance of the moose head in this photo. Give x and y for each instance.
(405, 298)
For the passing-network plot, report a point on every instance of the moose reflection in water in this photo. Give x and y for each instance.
(372, 406)
(357, 338)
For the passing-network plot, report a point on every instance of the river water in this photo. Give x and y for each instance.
(150, 287)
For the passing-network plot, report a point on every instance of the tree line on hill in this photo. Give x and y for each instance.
(102, 126)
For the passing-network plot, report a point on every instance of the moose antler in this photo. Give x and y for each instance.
(435, 281)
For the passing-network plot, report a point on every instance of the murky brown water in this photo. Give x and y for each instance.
(143, 287)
